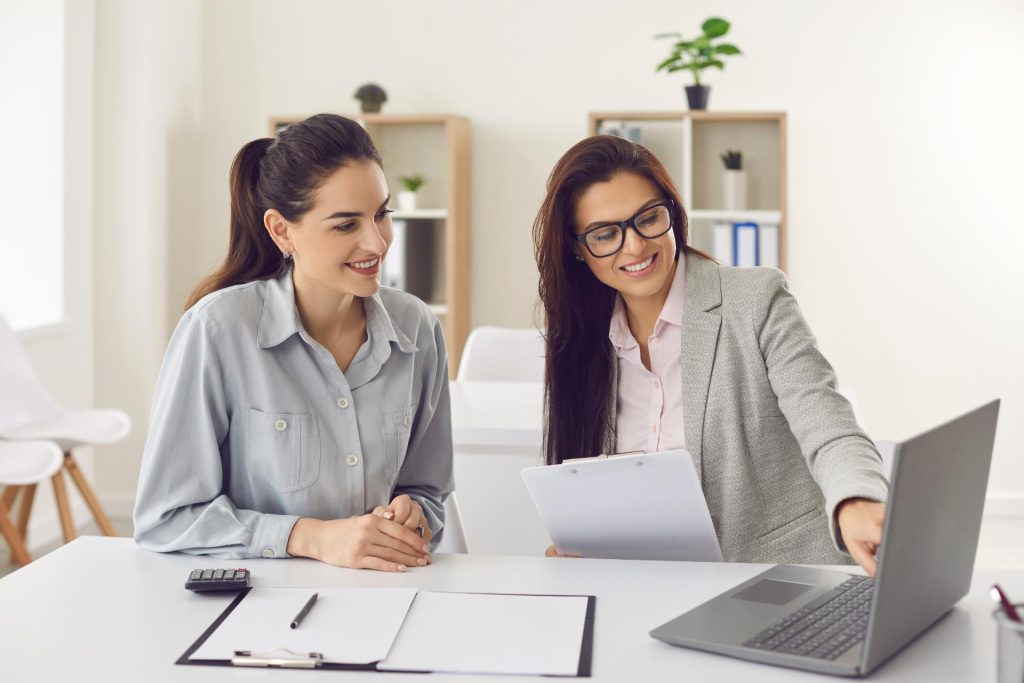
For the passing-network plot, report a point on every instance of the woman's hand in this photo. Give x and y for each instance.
(553, 552)
(860, 523)
(407, 512)
(363, 542)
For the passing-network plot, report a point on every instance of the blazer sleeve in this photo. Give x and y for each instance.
(842, 459)
(180, 504)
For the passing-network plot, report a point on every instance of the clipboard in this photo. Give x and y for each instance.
(635, 506)
(282, 657)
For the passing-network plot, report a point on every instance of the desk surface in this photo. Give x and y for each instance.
(497, 415)
(102, 609)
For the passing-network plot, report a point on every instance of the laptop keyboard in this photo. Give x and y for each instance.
(822, 630)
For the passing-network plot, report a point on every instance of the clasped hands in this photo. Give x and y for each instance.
(387, 539)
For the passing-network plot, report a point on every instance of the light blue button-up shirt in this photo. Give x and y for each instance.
(254, 424)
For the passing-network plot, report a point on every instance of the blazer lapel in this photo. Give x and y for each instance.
(699, 339)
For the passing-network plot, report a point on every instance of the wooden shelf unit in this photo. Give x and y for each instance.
(688, 144)
(436, 146)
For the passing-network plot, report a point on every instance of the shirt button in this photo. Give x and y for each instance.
(352, 459)
(281, 425)
(267, 552)
(406, 420)
(343, 402)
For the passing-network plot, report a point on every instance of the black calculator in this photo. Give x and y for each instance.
(203, 580)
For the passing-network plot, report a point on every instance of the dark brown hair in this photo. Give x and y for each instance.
(577, 306)
(280, 173)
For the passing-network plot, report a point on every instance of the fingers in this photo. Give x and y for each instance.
(370, 562)
(397, 556)
(402, 506)
(864, 556)
(381, 511)
(551, 552)
(403, 535)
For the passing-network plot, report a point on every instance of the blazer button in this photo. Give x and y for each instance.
(352, 460)
(281, 425)
(343, 402)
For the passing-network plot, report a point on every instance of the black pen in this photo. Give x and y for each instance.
(305, 610)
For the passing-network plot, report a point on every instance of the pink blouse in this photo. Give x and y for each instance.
(650, 402)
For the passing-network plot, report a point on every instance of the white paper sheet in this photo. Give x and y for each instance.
(346, 625)
(493, 634)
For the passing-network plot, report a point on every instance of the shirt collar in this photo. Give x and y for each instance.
(671, 312)
(280, 319)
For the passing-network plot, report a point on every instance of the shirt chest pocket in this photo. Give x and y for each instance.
(395, 428)
(283, 449)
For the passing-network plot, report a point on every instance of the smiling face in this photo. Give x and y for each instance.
(339, 245)
(643, 268)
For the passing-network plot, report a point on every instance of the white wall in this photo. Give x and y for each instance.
(903, 139)
(149, 73)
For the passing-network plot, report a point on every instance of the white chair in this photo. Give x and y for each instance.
(28, 413)
(454, 538)
(23, 465)
(502, 354)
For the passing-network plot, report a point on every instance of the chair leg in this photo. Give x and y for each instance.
(27, 497)
(90, 498)
(61, 494)
(9, 494)
(19, 553)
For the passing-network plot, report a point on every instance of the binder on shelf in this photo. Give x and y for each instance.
(396, 630)
(394, 261)
(721, 242)
(768, 238)
(745, 247)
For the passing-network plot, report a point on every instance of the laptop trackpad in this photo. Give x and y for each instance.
(773, 592)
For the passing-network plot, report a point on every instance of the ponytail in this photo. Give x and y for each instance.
(282, 174)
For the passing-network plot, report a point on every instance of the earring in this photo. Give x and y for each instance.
(286, 254)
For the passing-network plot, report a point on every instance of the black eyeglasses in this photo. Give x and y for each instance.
(650, 222)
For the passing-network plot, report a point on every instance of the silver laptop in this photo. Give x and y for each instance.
(837, 623)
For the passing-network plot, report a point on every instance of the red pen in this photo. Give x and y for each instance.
(1008, 607)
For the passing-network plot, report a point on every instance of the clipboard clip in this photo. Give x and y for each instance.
(281, 658)
(603, 456)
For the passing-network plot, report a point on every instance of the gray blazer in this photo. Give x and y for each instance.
(775, 445)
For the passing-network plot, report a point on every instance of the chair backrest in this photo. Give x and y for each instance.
(22, 397)
(454, 538)
(503, 354)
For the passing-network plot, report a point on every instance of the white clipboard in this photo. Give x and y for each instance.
(648, 506)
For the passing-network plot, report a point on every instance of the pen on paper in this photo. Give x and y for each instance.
(305, 610)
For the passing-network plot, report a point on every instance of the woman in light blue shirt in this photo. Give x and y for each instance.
(302, 410)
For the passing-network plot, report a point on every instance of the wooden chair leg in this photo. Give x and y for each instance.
(9, 494)
(27, 496)
(61, 494)
(90, 498)
(19, 553)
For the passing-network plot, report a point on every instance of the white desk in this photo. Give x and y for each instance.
(100, 609)
(497, 429)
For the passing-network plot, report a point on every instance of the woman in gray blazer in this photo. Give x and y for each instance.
(652, 345)
(301, 408)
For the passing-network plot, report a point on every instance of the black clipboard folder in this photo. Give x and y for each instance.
(288, 659)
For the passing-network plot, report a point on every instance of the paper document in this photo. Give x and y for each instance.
(492, 634)
(346, 625)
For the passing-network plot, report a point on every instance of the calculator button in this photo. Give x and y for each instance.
(218, 575)
(229, 574)
(196, 573)
(207, 574)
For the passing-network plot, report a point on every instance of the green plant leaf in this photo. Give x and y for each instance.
(668, 62)
(684, 45)
(716, 63)
(703, 41)
(680, 67)
(715, 27)
(727, 49)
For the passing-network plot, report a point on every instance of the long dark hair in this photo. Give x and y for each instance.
(577, 306)
(280, 173)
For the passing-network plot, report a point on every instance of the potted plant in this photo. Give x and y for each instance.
(696, 55)
(370, 97)
(407, 198)
(734, 182)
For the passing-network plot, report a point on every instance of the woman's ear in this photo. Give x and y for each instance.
(279, 230)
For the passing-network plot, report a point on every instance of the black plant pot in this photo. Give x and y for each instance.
(697, 96)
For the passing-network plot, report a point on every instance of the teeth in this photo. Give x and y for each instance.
(366, 264)
(639, 266)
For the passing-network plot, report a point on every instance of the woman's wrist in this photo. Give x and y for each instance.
(303, 540)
